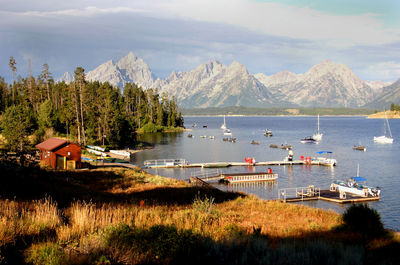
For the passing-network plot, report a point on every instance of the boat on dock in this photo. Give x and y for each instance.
(248, 177)
(97, 148)
(325, 161)
(355, 185)
(121, 153)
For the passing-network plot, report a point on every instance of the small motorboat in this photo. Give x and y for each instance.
(308, 140)
(267, 133)
(254, 142)
(227, 132)
(355, 186)
(203, 136)
(273, 146)
(190, 135)
(286, 146)
(360, 147)
(212, 137)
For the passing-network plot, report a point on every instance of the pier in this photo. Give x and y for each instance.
(311, 193)
(182, 163)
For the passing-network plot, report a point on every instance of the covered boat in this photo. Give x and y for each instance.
(326, 161)
(355, 186)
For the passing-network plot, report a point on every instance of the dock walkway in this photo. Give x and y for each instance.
(171, 164)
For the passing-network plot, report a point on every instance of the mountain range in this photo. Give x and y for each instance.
(213, 84)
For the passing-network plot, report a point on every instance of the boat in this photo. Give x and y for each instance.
(204, 126)
(254, 142)
(355, 186)
(227, 132)
(232, 140)
(324, 160)
(267, 133)
(95, 147)
(215, 165)
(308, 140)
(96, 152)
(121, 153)
(384, 139)
(318, 135)
(212, 137)
(114, 160)
(248, 177)
(203, 136)
(273, 146)
(223, 126)
(285, 146)
(360, 147)
(190, 135)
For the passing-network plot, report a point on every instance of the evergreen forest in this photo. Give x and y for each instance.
(86, 112)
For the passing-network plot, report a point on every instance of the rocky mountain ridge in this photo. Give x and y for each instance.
(214, 84)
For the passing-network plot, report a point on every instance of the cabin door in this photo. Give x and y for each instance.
(60, 162)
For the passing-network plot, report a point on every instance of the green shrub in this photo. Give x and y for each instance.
(158, 244)
(360, 218)
(46, 254)
(151, 128)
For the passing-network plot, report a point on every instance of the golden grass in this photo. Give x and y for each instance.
(22, 219)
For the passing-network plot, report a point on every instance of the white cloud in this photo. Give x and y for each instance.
(384, 70)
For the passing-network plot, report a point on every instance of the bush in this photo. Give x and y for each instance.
(151, 128)
(360, 218)
(46, 254)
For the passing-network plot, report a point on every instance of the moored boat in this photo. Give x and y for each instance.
(355, 186)
(308, 140)
(273, 146)
(360, 147)
(384, 139)
(267, 133)
(325, 161)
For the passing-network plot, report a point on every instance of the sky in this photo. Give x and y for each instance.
(178, 35)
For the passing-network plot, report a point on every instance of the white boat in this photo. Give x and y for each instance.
(95, 147)
(120, 152)
(227, 132)
(325, 161)
(384, 139)
(308, 140)
(267, 133)
(355, 186)
(318, 135)
(223, 126)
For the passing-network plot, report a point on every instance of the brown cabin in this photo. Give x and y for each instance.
(60, 154)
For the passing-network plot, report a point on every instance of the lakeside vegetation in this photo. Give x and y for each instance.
(124, 216)
(240, 110)
(87, 112)
(393, 113)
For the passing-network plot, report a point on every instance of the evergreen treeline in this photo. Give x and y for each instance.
(87, 112)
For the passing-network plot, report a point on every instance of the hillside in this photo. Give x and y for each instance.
(389, 94)
(389, 114)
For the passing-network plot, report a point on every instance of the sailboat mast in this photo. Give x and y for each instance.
(387, 123)
(318, 124)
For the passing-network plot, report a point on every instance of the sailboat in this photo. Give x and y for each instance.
(384, 139)
(318, 135)
(223, 126)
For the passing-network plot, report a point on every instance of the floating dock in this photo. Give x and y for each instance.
(182, 163)
(312, 193)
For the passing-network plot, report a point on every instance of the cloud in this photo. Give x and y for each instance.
(385, 70)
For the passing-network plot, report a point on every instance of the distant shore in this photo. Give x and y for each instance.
(389, 114)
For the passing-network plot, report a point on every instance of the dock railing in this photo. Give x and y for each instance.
(299, 192)
(165, 162)
(207, 175)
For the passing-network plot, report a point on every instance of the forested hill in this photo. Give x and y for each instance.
(87, 112)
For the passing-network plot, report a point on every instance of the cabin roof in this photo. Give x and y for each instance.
(51, 144)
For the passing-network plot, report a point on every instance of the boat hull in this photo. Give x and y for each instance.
(383, 140)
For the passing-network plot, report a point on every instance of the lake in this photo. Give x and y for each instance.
(379, 164)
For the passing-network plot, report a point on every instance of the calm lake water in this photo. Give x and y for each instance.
(379, 164)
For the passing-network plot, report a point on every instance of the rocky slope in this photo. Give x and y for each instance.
(388, 95)
(214, 84)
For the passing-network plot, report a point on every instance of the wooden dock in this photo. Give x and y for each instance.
(242, 164)
(311, 193)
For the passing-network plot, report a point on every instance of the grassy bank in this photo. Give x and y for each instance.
(390, 114)
(120, 216)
